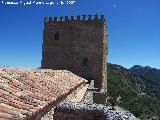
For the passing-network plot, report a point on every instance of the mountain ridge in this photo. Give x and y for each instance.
(138, 89)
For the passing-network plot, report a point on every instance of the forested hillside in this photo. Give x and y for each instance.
(137, 89)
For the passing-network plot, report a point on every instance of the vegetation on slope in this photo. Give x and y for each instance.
(137, 94)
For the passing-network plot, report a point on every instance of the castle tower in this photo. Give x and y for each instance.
(77, 44)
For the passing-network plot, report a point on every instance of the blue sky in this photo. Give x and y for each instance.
(133, 26)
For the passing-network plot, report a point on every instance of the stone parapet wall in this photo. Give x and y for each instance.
(68, 110)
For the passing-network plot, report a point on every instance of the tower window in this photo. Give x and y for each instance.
(85, 61)
(56, 36)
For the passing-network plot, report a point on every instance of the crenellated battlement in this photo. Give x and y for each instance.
(75, 18)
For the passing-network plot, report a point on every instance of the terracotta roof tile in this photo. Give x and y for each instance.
(25, 92)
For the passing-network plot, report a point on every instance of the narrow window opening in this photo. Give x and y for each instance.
(56, 37)
(85, 61)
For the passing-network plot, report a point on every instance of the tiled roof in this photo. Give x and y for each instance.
(27, 92)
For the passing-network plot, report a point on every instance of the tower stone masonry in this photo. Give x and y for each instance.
(77, 44)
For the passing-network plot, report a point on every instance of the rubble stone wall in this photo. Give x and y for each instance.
(77, 111)
(67, 110)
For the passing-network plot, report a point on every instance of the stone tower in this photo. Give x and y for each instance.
(77, 44)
